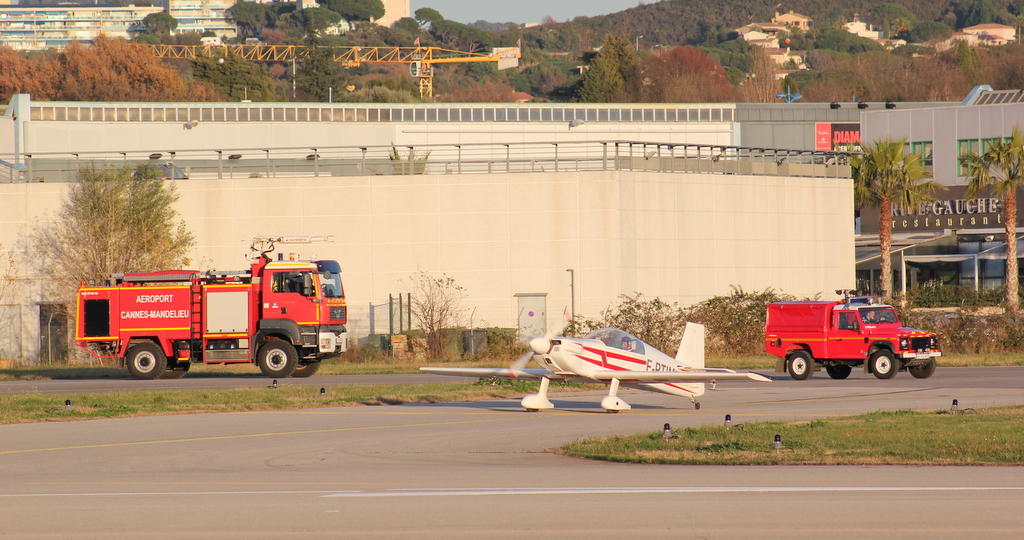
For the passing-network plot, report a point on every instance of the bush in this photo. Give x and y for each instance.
(735, 324)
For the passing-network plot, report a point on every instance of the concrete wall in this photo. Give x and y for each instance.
(681, 237)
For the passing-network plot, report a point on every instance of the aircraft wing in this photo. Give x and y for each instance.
(696, 375)
(501, 373)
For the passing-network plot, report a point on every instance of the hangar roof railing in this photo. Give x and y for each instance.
(555, 156)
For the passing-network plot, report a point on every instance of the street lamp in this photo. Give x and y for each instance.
(572, 294)
(637, 43)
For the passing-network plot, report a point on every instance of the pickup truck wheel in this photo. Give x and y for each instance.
(307, 370)
(923, 372)
(884, 365)
(801, 365)
(146, 361)
(838, 372)
(277, 358)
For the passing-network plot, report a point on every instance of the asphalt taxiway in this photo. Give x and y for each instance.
(482, 470)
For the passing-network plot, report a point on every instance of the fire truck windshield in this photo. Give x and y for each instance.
(878, 315)
(330, 279)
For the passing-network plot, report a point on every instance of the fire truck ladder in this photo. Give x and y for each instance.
(421, 60)
(196, 320)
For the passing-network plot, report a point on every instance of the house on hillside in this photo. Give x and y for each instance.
(783, 56)
(795, 20)
(992, 34)
(761, 39)
(860, 28)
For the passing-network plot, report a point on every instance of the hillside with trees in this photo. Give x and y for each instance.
(668, 51)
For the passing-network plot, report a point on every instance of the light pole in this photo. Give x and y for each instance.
(572, 294)
(637, 43)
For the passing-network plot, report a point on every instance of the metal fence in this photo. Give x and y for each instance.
(438, 159)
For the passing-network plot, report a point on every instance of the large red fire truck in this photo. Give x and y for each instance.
(286, 316)
(841, 335)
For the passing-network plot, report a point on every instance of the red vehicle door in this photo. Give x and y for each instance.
(845, 339)
(291, 294)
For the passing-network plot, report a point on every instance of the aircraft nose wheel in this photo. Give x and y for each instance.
(696, 405)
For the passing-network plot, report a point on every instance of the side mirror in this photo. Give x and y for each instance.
(307, 284)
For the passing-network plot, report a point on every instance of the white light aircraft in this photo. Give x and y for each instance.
(612, 356)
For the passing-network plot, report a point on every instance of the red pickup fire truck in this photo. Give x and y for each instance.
(285, 316)
(840, 335)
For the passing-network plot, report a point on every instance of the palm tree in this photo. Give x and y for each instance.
(1001, 167)
(888, 178)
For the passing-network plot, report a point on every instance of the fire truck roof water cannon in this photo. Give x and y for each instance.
(286, 316)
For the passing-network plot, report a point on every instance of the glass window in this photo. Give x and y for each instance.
(964, 147)
(923, 149)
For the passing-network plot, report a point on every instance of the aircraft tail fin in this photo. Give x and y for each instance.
(691, 348)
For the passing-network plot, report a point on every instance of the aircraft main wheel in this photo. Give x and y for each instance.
(801, 365)
(838, 372)
(884, 365)
(146, 361)
(307, 370)
(923, 372)
(277, 358)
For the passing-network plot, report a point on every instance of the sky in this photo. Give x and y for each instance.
(522, 11)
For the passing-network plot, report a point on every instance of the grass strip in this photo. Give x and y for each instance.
(38, 407)
(971, 437)
(384, 366)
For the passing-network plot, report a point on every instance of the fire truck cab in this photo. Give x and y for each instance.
(841, 335)
(285, 316)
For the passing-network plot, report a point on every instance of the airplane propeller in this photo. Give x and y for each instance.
(542, 345)
(538, 345)
(521, 362)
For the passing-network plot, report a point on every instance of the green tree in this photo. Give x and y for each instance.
(319, 75)
(974, 12)
(235, 77)
(407, 24)
(159, 23)
(356, 10)
(930, 30)
(112, 221)
(427, 15)
(1001, 169)
(969, 62)
(890, 179)
(611, 73)
(250, 17)
(316, 20)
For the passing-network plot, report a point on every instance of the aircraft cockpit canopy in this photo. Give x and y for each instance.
(618, 339)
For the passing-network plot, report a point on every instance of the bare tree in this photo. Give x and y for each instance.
(111, 221)
(760, 85)
(9, 338)
(437, 305)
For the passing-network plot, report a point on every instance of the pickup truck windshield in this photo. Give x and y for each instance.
(878, 315)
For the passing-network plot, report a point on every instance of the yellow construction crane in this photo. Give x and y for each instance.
(421, 60)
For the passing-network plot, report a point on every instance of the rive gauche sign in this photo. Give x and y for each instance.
(950, 210)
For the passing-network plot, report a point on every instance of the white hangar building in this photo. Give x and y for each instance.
(656, 199)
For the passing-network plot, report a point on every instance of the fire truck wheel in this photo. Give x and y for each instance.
(883, 364)
(177, 371)
(146, 361)
(838, 372)
(307, 370)
(923, 372)
(801, 365)
(277, 358)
